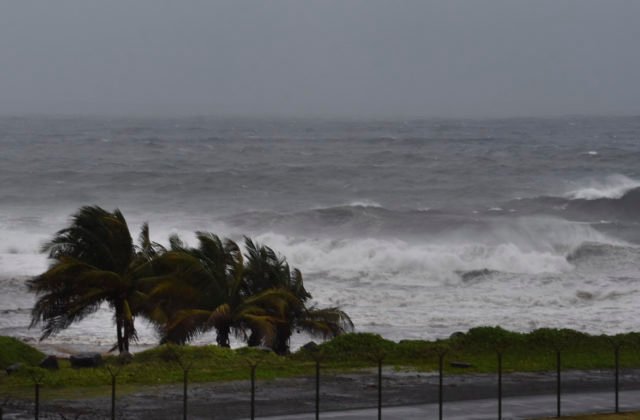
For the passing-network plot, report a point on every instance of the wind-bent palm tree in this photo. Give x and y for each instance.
(94, 261)
(265, 270)
(183, 291)
(204, 290)
(325, 322)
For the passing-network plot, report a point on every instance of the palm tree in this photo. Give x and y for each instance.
(265, 270)
(325, 322)
(205, 290)
(94, 261)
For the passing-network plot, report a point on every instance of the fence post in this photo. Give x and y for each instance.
(186, 367)
(114, 374)
(380, 388)
(37, 413)
(377, 356)
(317, 355)
(499, 385)
(616, 349)
(185, 394)
(113, 398)
(558, 382)
(441, 354)
(253, 365)
(37, 376)
(317, 389)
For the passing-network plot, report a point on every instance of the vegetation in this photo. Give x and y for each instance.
(94, 261)
(255, 295)
(15, 351)
(183, 291)
(522, 352)
(478, 347)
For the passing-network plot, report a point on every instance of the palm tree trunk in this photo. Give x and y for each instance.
(222, 337)
(119, 333)
(255, 339)
(126, 338)
(281, 342)
(120, 326)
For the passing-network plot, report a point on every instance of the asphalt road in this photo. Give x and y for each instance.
(405, 395)
(525, 407)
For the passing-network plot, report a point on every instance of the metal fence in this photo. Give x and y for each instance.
(377, 376)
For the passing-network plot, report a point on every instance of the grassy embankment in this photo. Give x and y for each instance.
(522, 352)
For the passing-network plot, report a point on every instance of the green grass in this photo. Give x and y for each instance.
(522, 352)
(15, 351)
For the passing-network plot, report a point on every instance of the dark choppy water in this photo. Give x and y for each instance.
(416, 228)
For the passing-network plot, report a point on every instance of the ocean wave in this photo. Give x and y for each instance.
(626, 206)
(587, 296)
(614, 186)
(474, 275)
(602, 255)
(590, 250)
(364, 203)
(356, 219)
(386, 259)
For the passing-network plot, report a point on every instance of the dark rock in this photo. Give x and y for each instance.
(125, 358)
(83, 360)
(49, 362)
(461, 365)
(13, 368)
(310, 346)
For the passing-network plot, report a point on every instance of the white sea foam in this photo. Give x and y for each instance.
(396, 272)
(364, 203)
(613, 186)
(527, 247)
(20, 255)
(388, 285)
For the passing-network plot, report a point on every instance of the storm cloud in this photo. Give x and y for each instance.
(320, 58)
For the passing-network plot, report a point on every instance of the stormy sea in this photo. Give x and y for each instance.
(416, 228)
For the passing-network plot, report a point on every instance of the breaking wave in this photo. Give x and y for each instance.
(592, 251)
(400, 260)
(407, 225)
(364, 203)
(626, 207)
(614, 186)
(475, 275)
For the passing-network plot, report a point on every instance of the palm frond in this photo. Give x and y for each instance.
(186, 325)
(146, 248)
(328, 322)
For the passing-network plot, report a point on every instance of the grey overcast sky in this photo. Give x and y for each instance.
(421, 58)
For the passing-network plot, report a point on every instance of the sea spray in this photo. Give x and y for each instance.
(345, 201)
(612, 186)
